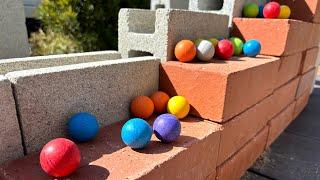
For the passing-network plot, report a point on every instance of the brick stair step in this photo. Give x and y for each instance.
(220, 90)
(278, 37)
(280, 122)
(306, 82)
(240, 129)
(289, 68)
(236, 166)
(305, 10)
(309, 59)
(108, 157)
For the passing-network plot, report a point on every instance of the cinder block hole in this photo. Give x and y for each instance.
(134, 53)
(179, 4)
(143, 22)
(210, 5)
(158, 6)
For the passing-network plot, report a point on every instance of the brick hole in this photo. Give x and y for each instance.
(158, 6)
(179, 4)
(134, 53)
(208, 5)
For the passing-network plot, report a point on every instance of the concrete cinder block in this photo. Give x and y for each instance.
(289, 68)
(237, 165)
(241, 129)
(220, 90)
(10, 135)
(193, 156)
(309, 60)
(47, 97)
(145, 32)
(279, 123)
(13, 31)
(305, 10)
(306, 82)
(17, 64)
(278, 37)
(233, 8)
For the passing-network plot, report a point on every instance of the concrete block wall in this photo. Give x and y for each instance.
(10, 135)
(17, 64)
(146, 32)
(47, 97)
(13, 31)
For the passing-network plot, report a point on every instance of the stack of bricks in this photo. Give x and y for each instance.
(238, 107)
(254, 99)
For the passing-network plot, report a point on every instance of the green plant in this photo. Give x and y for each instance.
(53, 43)
(91, 24)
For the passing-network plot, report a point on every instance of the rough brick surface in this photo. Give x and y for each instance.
(157, 32)
(236, 166)
(306, 82)
(238, 131)
(284, 96)
(278, 37)
(280, 122)
(222, 89)
(301, 103)
(17, 64)
(309, 60)
(107, 157)
(306, 10)
(47, 97)
(13, 31)
(288, 69)
(10, 136)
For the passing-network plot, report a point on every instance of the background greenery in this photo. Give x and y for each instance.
(79, 25)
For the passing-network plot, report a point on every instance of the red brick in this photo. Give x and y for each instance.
(280, 122)
(107, 157)
(211, 176)
(220, 90)
(301, 103)
(236, 166)
(278, 37)
(305, 10)
(288, 69)
(306, 82)
(283, 96)
(238, 131)
(309, 60)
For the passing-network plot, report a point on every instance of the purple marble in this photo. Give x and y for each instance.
(167, 128)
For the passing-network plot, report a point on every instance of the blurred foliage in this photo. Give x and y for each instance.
(87, 25)
(53, 43)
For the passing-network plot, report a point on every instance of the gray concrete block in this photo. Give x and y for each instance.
(10, 136)
(17, 64)
(146, 32)
(232, 8)
(47, 97)
(13, 31)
